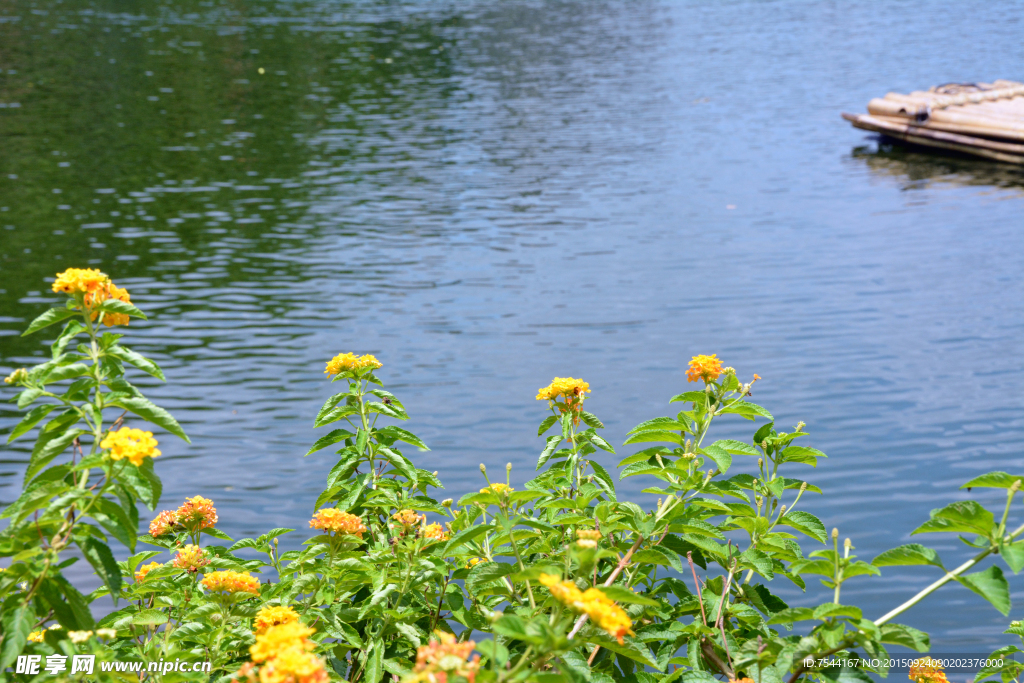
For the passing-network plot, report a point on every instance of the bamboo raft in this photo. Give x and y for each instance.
(980, 119)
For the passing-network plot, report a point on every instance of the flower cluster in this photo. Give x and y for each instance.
(133, 444)
(333, 520)
(707, 368)
(196, 513)
(163, 524)
(191, 558)
(140, 574)
(231, 582)
(80, 281)
(592, 602)
(408, 518)
(443, 659)
(571, 389)
(350, 362)
(927, 670)
(284, 653)
(39, 636)
(435, 532)
(499, 490)
(274, 615)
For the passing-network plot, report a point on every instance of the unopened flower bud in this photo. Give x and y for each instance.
(17, 377)
(729, 371)
(435, 473)
(759, 500)
(782, 510)
(835, 534)
(447, 502)
(760, 463)
(800, 426)
(508, 467)
(1014, 487)
(847, 544)
(483, 469)
(803, 487)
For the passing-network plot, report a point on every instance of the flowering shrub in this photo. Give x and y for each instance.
(560, 581)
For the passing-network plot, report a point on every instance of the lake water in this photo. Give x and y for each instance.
(486, 195)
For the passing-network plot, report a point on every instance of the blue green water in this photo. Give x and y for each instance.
(486, 195)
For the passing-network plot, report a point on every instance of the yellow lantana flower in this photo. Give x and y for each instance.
(80, 281)
(274, 615)
(133, 444)
(350, 362)
(706, 368)
(572, 389)
(336, 521)
(141, 572)
(231, 582)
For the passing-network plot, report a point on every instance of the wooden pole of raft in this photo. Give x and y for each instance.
(999, 151)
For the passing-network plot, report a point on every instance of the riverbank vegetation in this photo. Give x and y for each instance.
(560, 581)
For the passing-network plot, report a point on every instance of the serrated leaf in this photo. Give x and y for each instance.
(806, 523)
(719, 456)
(149, 617)
(48, 446)
(591, 420)
(907, 636)
(736, 447)
(966, 516)
(17, 622)
(147, 410)
(486, 572)
(54, 315)
(552, 444)
(831, 609)
(626, 596)
(996, 480)
(991, 585)
(546, 424)
(122, 307)
(138, 360)
(745, 409)
(31, 419)
(403, 435)
(102, 560)
(654, 436)
(906, 555)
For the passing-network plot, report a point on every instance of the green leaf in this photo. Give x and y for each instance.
(996, 480)
(694, 396)
(907, 636)
(144, 481)
(719, 456)
(1013, 555)
(115, 520)
(626, 596)
(465, 536)
(906, 555)
(546, 424)
(964, 516)
(54, 315)
(604, 479)
(758, 561)
(601, 443)
(73, 328)
(736, 447)
(831, 609)
(17, 622)
(145, 409)
(486, 572)
(48, 446)
(375, 662)
(118, 306)
(654, 436)
(802, 454)
(630, 648)
(26, 397)
(138, 360)
(591, 420)
(149, 617)
(102, 560)
(400, 463)
(991, 585)
(747, 410)
(403, 435)
(792, 614)
(31, 419)
(549, 449)
(805, 523)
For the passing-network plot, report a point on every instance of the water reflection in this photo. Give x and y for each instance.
(918, 168)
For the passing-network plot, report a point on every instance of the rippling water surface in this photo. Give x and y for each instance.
(485, 195)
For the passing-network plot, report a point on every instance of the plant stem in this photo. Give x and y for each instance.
(941, 582)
